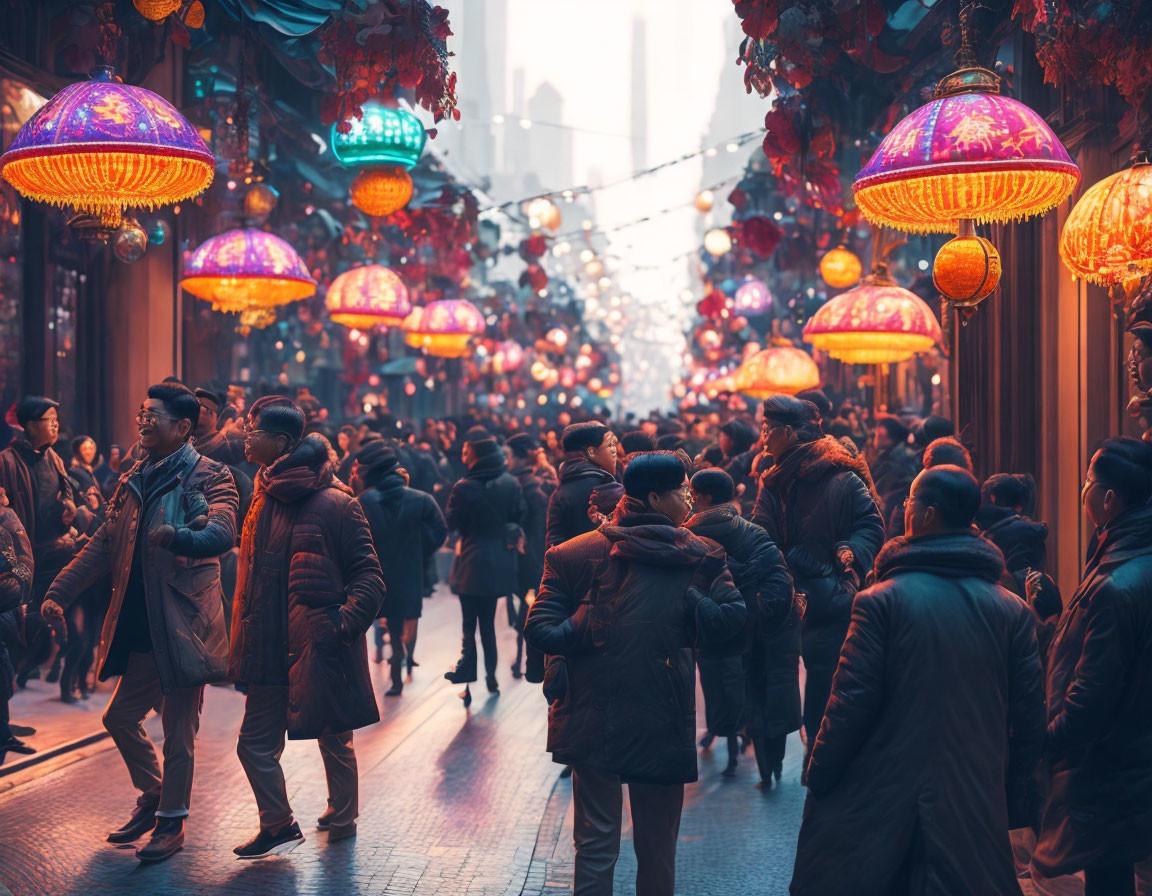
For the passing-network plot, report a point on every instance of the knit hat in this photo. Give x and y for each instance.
(33, 407)
(377, 457)
(522, 444)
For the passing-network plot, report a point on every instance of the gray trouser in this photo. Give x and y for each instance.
(260, 746)
(597, 799)
(137, 692)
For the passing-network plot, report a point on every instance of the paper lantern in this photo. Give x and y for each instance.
(381, 191)
(101, 146)
(242, 269)
(753, 298)
(155, 10)
(260, 201)
(704, 201)
(194, 18)
(444, 328)
(840, 268)
(367, 297)
(878, 322)
(1107, 238)
(968, 154)
(781, 369)
(508, 357)
(717, 242)
(545, 213)
(383, 136)
(966, 269)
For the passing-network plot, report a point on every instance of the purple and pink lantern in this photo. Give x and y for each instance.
(444, 328)
(242, 269)
(753, 298)
(368, 296)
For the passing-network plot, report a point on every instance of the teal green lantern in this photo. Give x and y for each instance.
(384, 136)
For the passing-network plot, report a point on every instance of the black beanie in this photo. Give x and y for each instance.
(484, 447)
(33, 407)
(377, 457)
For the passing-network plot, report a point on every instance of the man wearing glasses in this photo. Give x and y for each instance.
(171, 516)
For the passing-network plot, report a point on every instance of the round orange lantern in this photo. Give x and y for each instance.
(368, 296)
(381, 191)
(967, 269)
(704, 201)
(781, 369)
(1107, 238)
(155, 10)
(840, 268)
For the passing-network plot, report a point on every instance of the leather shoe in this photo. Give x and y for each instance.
(323, 821)
(167, 840)
(142, 820)
(15, 745)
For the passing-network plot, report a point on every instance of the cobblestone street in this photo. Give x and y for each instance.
(451, 802)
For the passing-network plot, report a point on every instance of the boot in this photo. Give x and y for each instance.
(379, 653)
(493, 685)
(465, 670)
(167, 840)
(323, 822)
(142, 820)
(397, 681)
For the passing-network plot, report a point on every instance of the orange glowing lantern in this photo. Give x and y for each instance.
(155, 10)
(878, 322)
(1107, 238)
(704, 201)
(967, 268)
(368, 296)
(545, 213)
(840, 268)
(102, 146)
(381, 190)
(243, 269)
(444, 328)
(718, 242)
(780, 369)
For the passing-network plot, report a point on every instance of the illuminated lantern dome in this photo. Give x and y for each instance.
(968, 154)
(840, 268)
(1107, 238)
(753, 298)
(367, 297)
(781, 369)
(383, 136)
(878, 322)
(101, 146)
(381, 191)
(155, 10)
(444, 328)
(243, 269)
(544, 213)
(966, 269)
(717, 242)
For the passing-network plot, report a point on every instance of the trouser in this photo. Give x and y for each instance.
(411, 629)
(396, 636)
(77, 653)
(137, 692)
(480, 610)
(769, 752)
(597, 800)
(260, 746)
(517, 617)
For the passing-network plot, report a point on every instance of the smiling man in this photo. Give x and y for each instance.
(172, 515)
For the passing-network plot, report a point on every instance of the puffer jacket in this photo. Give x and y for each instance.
(308, 587)
(1099, 747)
(486, 508)
(924, 758)
(568, 505)
(531, 565)
(182, 592)
(618, 612)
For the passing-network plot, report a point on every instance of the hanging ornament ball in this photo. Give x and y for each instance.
(194, 18)
(704, 200)
(130, 241)
(381, 191)
(545, 213)
(840, 268)
(967, 270)
(717, 242)
(260, 201)
(156, 10)
(557, 337)
(158, 234)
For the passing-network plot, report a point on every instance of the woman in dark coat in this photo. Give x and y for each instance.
(15, 583)
(522, 453)
(771, 658)
(407, 527)
(589, 461)
(1098, 815)
(486, 508)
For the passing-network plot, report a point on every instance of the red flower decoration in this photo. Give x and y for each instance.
(759, 235)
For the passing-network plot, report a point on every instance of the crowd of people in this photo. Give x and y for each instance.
(963, 724)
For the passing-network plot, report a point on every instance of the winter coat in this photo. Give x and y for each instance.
(619, 611)
(531, 566)
(1021, 540)
(185, 606)
(16, 480)
(771, 660)
(486, 508)
(308, 587)
(407, 528)
(740, 468)
(1099, 746)
(16, 567)
(568, 506)
(892, 472)
(934, 725)
(815, 500)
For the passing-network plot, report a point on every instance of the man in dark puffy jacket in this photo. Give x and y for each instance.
(935, 722)
(589, 461)
(618, 613)
(817, 505)
(308, 588)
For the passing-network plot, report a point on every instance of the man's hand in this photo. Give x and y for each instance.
(69, 513)
(50, 610)
(162, 536)
(845, 558)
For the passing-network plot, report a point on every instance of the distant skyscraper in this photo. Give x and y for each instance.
(550, 143)
(639, 95)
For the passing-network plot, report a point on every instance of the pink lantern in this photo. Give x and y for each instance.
(367, 297)
(444, 328)
(753, 298)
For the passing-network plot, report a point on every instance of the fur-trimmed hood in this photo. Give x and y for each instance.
(954, 555)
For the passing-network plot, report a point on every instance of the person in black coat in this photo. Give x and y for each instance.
(407, 527)
(1098, 814)
(770, 664)
(935, 722)
(893, 466)
(589, 461)
(486, 508)
(522, 450)
(618, 613)
(738, 440)
(818, 507)
(1007, 503)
